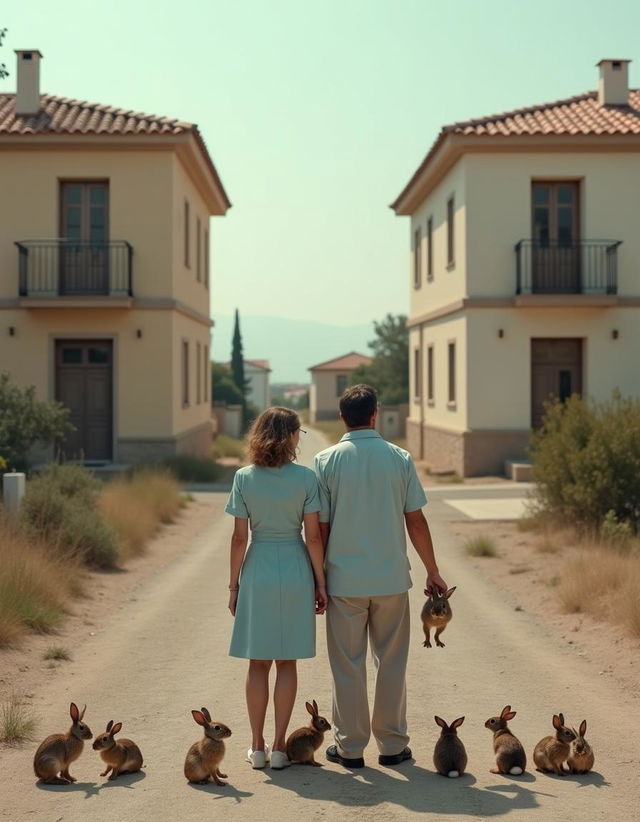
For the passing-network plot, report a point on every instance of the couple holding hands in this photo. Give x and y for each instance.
(352, 564)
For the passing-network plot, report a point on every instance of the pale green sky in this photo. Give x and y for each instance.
(316, 114)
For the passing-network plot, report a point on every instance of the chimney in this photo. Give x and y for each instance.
(28, 91)
(613, 89)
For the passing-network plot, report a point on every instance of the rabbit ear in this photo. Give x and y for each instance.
(309, 708)
(116, 728)
(450, 591)
(457, 722)
(441, 722)
(206, 713)
(557, 721)
(109, 724)
(82, 712)
(315, 707)
(200, 718)
(583, 727)
(506, 711)
(74, 713)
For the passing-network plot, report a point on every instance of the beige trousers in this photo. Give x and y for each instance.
(384, 621)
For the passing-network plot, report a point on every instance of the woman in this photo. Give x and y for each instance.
(273, 600)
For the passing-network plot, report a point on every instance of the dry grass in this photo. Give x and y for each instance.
(35, 584)
(545, 544)
(136, 507)
(481, 546)
(225, 446)
(17, 721)
(605, 584)
(57, 652)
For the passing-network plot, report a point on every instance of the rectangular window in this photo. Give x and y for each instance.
(198, 251)
(187, 260)
(185, 373)
(430, 375)
(452, 373)
(198, 373)
(417, 249)
(430, 248)
(206, 258)
(341, 384)
(207, 370)
(450, 232)
(417, 376)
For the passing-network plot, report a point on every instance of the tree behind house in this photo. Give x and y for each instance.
(389, 370)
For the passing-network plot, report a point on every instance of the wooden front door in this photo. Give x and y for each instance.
(84, 252)
(556, 371)
(555, 234)
(84, 383)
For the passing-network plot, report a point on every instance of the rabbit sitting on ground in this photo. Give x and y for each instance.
(123, 756)
(204, 757)
(510, 755)
(551, 752)
(449, 756)
(581, 757)
(436, 613)
(303, 743)
(58, 751)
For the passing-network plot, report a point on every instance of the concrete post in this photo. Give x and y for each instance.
(13, 486)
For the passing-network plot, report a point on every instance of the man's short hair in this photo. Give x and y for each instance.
(358, 404)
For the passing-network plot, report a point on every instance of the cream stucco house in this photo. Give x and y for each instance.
(525, 271)
(104, 269)
(328, 380)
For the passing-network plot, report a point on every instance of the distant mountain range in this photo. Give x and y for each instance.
(291, 346)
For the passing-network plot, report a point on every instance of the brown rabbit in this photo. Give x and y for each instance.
(58, 751)
(436, 613)
(204, 757)
(510, 755)
(122, 756)
(449, 756)
(303, 743)
(581, 757)
(551, 752)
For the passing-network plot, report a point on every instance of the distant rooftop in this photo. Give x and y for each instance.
(347, 362)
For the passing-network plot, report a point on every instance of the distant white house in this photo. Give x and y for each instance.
(256, 372)
(328, 380)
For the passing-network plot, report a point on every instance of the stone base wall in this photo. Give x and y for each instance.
(468, 453)
(195, 442)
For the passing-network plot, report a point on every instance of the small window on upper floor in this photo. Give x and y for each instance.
(206, 258)
(185, 373)
(198, 250)
(430, 376)
(187, 239)
(430, 248)
(417, 254)
(450, 232)
(417, 374)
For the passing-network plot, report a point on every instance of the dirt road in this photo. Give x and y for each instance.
(165, 652)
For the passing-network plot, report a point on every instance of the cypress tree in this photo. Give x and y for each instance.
(237, 359)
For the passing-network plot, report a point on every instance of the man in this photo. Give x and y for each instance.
(369, 489)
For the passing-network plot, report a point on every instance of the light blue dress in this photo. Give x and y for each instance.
(275, 612)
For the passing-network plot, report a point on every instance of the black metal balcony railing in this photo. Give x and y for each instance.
(583, 267)
(62, 268)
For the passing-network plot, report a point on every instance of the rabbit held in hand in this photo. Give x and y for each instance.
(436, 614)
(58, 751)
(204, 757)
(449, 755)
(510, 756)
(581, 757)
(121, 756)
(552, 751)
(304, 742)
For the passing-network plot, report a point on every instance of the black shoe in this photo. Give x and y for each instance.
(334, 756)
(396, 759)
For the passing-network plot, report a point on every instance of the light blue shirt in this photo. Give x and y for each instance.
(366, 486)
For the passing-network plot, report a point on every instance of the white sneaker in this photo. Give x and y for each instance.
(258, 759)
(279, 760)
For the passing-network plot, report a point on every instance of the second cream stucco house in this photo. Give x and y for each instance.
(328, 380)
(525, 271)
(104, 270)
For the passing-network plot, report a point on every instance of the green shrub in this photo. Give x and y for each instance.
(193, 469)
(60, 506)
(586, 463)
(225, 446)
(614, 532)
(480, 546)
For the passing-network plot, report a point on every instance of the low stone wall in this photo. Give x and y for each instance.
(195, 442)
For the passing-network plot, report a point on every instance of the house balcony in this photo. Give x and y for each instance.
(82, 273)
(558, 273)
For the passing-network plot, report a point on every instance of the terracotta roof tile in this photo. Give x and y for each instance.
(60, 115)
(345, 363)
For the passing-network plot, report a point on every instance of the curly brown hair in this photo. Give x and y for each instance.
(269, 442)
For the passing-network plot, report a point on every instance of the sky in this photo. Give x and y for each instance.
(316, 114)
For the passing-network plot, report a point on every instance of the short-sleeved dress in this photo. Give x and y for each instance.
(275, 612)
